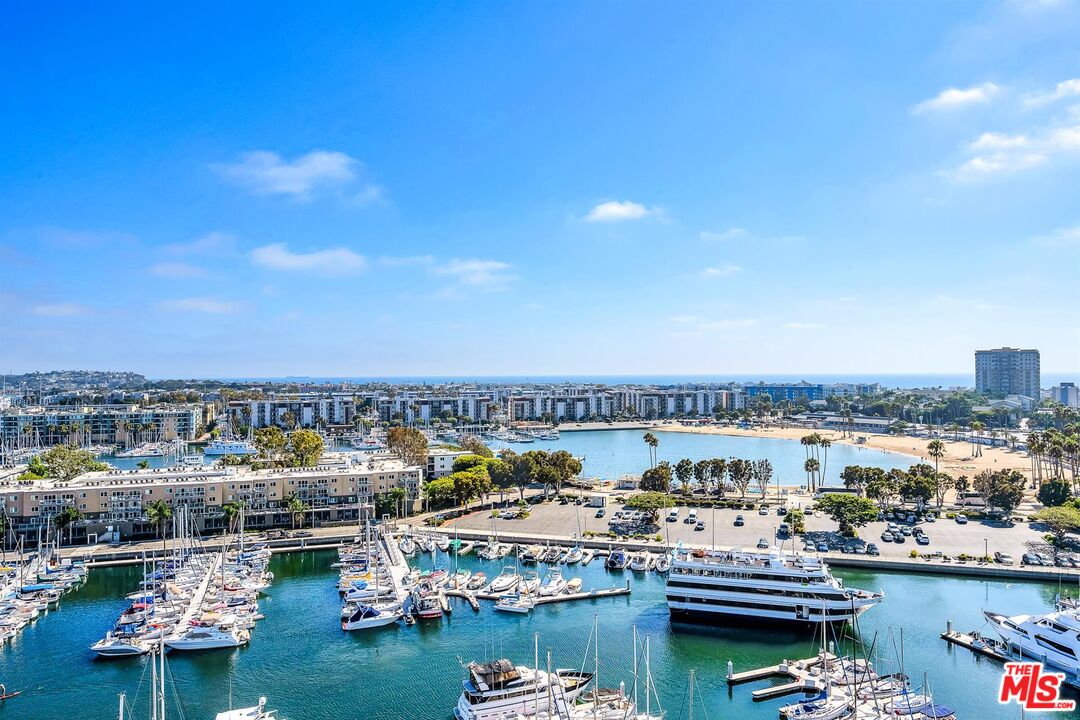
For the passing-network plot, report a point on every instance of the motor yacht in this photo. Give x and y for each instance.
(499, 689)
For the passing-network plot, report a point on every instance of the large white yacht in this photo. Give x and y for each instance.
(1053, 638)
(760, 588)
(500, 689)
(208, 638)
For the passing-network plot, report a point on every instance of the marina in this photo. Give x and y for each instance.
(300, 648)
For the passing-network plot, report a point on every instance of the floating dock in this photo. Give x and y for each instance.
(796, 670)
(975, 644)
(566, 597)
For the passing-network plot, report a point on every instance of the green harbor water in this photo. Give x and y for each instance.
(309, 669)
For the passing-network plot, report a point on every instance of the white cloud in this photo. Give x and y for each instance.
(725, 270)
(998, 141)
(803, 326)
(60, 310)
(212, 243)
(728, 324)
(730, 234)
(486, 274)
(997, 154)
(332, 261)
(176, 270)
(267, 173)
(1064, 89)
(1063, 237)
(618, 211)
(954, 98)
(406, 261)
(201, 305)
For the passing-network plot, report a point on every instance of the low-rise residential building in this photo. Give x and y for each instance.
(307, 411)
(115, 501)
(839, 421)
(39, 426)
(440, 461)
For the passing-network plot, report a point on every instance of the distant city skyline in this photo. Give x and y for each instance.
(701, 189)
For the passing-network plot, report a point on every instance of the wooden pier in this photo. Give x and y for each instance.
(548, 599)
(798, 671)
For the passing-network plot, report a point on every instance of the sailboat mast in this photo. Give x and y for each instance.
(634, 693)
(648, 672)
(536, 673)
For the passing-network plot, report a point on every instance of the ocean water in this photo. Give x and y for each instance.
(310, 670)
(887, 380)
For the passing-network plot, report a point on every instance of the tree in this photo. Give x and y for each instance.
(305, 448)
(652, 442)
(1002, 488)
(158, 513)
(565, 465)
(288, 419)
(1059, 520)
(855, 478)
(409, 444)
(1055, 492)
(66, 462)
(702, 471)
(718, 472)
(500, 473)
(936, 450)
(811, 466)
(848, 511)
(684, 470)
(467, 462)
(740, 472)
(390, 500)
(918, 488)
(270, 443)
(883, 487)
(296, 509)
(762, 472)
(475, 445)
(65, 519)
(522, 469)
(439, 491)
(470, 484)
(657, 479)
(942, 483)
(651, 502)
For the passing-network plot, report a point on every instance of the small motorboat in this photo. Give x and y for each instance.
(818, 708)
(477, 581)
(515, 603)
(372, 616)
(616, 560)
(574, 555)
(663, 563)
(506, 581)
(553, 584)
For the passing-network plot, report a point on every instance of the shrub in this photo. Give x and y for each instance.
(913, 554)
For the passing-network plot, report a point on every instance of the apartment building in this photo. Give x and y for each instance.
(335, 491)
(1007, 371)
(307, 411)
(103, 424)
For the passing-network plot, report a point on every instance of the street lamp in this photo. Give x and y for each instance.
(986, 548)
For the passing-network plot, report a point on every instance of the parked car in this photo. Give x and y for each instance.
(781, 511)
(886, 536)
(872, 549)
(899, 538)
(739, 521)
(1031, 559)
(784, 530)
(763, 544)
(1045, 558)
(922, 539)
(1003, 558)
(961, 520)
(905, 530)
(823, 547)
(600, 513)
(860, 549)
(763, 510)
(700, 525)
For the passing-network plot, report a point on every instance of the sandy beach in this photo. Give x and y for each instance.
(957, 461)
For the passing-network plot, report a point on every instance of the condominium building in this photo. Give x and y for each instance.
(1007, 371)
(308, 411)
(1067, 394)
(102, 424)
(115, 501)
(806, 391)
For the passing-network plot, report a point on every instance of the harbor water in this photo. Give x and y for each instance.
(310, 669)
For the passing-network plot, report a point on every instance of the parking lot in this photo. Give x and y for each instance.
(945, 535)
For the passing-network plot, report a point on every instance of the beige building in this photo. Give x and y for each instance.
(115, 500)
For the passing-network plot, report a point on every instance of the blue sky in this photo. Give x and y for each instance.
(529, 188)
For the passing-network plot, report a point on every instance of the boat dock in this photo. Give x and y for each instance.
(547, 599)
(975, 644)
(798, 671)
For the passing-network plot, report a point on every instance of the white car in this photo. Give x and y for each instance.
(961, 520)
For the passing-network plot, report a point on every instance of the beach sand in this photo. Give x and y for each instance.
(957, 460)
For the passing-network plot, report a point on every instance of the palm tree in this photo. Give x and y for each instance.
(976, 429)
(652, 442)
(296, 508)
(229, 512)
(158, 513)
(65, 518)
(825, 444)
(936, 450)
(811, 467)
